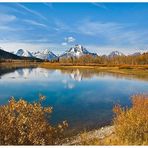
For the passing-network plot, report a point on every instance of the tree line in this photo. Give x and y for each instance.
(116, 60)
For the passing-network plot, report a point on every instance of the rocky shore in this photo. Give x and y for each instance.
(98, 134)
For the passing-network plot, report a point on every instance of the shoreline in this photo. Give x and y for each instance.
(99, 134)
(138, 71)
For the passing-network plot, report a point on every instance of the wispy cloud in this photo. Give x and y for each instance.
(6, 18)
(33, 22)
(42, 24)
(32, 11)
(49, 5)
(61, 26)
(112, 32)
(100, 5)
(93, 28)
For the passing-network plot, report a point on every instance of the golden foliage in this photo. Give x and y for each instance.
(23, 123)
(131, 124)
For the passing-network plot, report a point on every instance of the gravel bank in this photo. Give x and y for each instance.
(99, 134)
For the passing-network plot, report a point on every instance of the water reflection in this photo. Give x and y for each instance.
(83, 97)
(75, 74)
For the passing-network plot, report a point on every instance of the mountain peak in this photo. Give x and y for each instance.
(77, 51)
(115, 53)
(135, 54)
(23, 53)
(45, 55)
(46, 51)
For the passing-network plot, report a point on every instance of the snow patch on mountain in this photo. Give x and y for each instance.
(23, 53)
(45, 55)
(77, 51)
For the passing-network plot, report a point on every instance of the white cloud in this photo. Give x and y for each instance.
(93, 28)
(69, 39)
(64, 43)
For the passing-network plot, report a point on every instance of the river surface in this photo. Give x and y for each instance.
(84, 98)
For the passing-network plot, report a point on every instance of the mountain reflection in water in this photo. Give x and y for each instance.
(83, 97)
(75, 74)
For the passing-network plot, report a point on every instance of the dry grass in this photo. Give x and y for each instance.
(18, 64)
(137, 71)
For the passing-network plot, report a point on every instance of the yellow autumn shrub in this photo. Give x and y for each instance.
(131, 124)
(23, 123)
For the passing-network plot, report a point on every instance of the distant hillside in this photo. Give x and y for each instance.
(4, 55)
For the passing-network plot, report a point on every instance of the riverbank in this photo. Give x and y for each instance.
(135, 71)
(19, 64)
(11, 66)
(138, 71)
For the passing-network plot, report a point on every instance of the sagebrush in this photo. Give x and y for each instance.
(23, 123)
(131, 124)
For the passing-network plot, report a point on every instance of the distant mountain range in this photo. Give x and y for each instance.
(45, 55)
(4, 55)
(74, 52)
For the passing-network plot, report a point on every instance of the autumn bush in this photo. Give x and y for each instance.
(131, 124)
(23, 123)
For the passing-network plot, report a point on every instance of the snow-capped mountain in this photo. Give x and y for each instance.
(45, 55)
(115, 53)
(7, 55)
(23, 53)
(76, 51)
(135, 54)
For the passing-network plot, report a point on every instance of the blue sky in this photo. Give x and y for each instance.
(100, 27)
